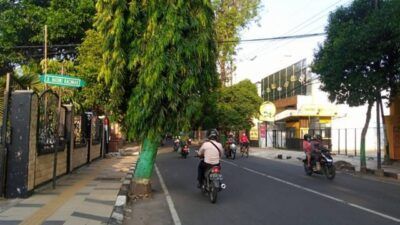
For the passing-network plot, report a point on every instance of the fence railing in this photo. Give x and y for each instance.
(346, 141)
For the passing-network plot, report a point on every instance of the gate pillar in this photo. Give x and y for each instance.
(22, 148)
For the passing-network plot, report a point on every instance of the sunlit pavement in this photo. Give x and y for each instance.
(265, 191)
(86, 196)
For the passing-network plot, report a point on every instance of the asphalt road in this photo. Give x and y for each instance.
(262, 191)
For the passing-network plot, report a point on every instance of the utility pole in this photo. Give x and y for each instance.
(45, 51)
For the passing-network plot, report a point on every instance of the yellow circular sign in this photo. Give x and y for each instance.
(267, 111)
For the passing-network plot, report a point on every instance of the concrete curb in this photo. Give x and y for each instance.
(117, 215)
(392, 175)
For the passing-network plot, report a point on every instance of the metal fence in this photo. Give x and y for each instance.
(345, 141)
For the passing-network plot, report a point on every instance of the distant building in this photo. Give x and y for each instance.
(303, 108)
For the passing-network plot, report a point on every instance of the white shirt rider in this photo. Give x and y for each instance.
(210, 152)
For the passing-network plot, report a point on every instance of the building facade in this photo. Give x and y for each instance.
(302, 108)
(299, 110)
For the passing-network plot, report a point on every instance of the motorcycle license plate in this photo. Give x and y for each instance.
(215, 176)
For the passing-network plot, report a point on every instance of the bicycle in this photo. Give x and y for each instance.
(244, 149)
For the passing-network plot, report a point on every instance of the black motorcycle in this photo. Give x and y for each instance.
(212, 183)
(321, 163)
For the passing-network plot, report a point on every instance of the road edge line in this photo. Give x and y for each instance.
(171, 206)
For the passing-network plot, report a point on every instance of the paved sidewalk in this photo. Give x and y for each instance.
(293, 156)
(150, 211)
(86, 196)
(154, 210)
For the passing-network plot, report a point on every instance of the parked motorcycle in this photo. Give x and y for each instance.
(185, 151)
(212, 183)
(321, 163)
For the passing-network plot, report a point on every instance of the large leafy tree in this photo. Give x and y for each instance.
(165, 51)
(231, 17)
(22, 24)
(237, 105)
(96, 94)
(359, 62)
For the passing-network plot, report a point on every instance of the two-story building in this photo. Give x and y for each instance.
(302, 107)
(299, 109)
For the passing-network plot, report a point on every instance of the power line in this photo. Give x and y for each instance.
(275, 38)
(301, 25)
(41, 46)
(305, 24)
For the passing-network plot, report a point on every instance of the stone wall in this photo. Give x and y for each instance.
(36, 169)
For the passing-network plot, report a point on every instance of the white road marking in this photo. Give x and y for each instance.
(318, 193)
(171, 205)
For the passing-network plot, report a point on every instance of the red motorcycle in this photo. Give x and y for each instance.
(185, 151)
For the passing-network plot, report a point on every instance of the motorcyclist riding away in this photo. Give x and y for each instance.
(231, 138)
(307, 148)
(211, 152)
(316, 145)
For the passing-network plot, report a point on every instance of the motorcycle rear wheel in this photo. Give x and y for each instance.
(213, 194)
(233, 154)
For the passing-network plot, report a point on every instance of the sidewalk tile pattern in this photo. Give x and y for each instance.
(86, 196)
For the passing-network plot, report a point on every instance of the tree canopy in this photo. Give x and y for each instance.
(231, 17)
(237, 105)
(361, 54)
(359, 61)
(96, 94)
(161, 55)
(22, 29)
(169, 63)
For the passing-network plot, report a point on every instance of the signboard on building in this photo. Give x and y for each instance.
(267, 111)
(254, 133)
(317, 110)
(263, 131)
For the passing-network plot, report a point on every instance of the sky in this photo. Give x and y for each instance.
(256, 60)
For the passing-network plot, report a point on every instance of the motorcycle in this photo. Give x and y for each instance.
(176, 145)
(231, 151)
(185, 151)
(321, 163)
(212, 183)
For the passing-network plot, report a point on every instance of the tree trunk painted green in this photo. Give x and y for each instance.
(363, 163)
(144, 168)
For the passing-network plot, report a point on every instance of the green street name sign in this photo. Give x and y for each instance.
(62, 80)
